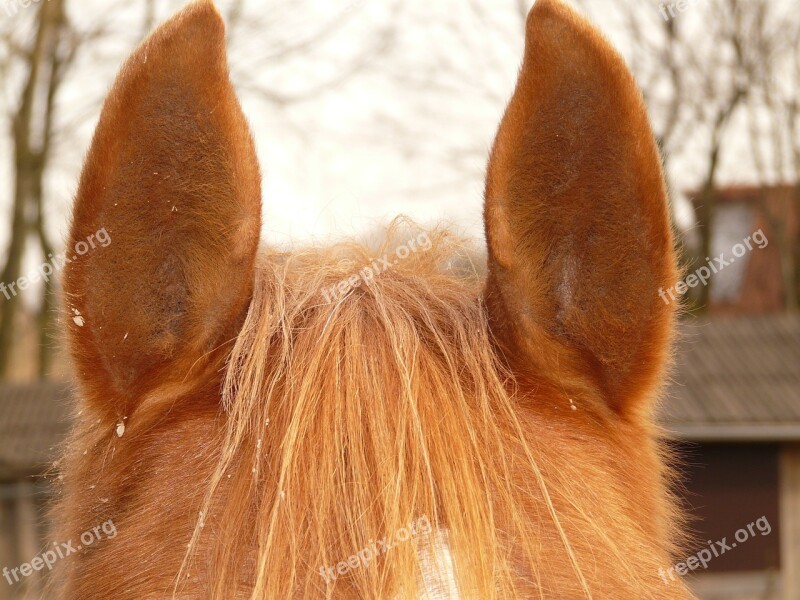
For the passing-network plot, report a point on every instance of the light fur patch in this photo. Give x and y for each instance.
(438, 569)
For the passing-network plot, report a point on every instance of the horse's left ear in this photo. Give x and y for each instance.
(170, 198)
(577, 221)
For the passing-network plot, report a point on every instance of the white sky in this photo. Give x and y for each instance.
(347, 161)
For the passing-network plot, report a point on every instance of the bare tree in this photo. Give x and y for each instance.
(695, 80)
(46, 60)
(774, 130)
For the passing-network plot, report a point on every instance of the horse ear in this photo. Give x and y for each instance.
(172, 183)
(577, 220)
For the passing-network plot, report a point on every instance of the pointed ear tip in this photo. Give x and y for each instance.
(205, 9)
(203, 18)
(556, 23)
(199, 24)
(552, 8)
(547, 12)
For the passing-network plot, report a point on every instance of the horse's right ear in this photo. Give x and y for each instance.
(172, 182)
(577, 221)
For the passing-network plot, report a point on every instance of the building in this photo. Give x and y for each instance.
(757, 282)
(34, 418)
(734, 406)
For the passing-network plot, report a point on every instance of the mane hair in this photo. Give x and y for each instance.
(346, 421)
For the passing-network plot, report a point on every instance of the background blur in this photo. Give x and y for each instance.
(363, 109)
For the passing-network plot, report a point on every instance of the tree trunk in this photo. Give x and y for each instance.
(30, 164)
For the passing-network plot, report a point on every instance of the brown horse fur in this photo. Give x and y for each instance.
(242, 433)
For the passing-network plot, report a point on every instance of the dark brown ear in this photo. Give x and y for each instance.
(172, 181)
(577, 220)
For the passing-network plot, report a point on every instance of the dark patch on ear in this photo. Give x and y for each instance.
(173, 305)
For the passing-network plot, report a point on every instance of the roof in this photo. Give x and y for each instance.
(34, 419)
(736, 380)
(746, 193)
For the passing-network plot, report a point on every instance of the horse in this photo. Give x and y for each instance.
(322, 423)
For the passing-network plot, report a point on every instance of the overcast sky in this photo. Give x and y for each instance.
(409, 133)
